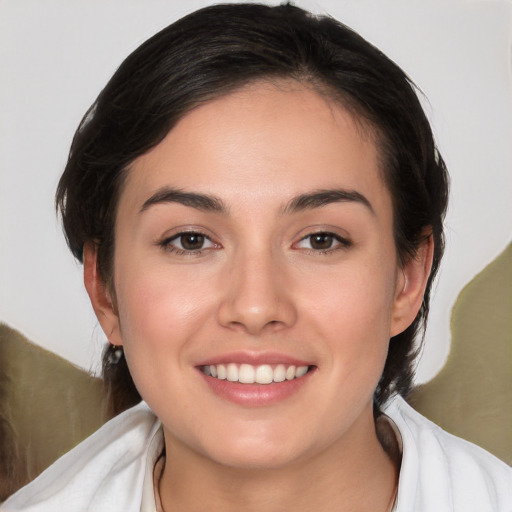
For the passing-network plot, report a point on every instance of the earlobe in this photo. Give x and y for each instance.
(100, 296)
(410, 287)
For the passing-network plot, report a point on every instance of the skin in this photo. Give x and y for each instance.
(261, 285)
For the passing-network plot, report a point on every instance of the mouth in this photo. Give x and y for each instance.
(250, 374)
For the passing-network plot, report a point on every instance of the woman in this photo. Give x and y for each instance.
(258, 202)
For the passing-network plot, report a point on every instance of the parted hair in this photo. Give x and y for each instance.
(217, 50)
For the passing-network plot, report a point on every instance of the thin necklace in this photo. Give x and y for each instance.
(392, 502)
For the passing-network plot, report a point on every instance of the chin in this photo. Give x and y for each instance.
(256, 452)
(267, 458)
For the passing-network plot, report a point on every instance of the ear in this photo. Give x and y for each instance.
(410, 287)
(100, 296)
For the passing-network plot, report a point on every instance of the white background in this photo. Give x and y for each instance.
(56, 55)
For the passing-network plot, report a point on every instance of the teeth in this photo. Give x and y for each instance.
(248, 374)
(232, 372)
(264, 374)
(279, 373)
(221, 371)
(301, 371)
(290, 373)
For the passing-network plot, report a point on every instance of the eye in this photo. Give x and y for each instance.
(323, 242)
(188, 242)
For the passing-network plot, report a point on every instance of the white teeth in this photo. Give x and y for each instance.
(264, 374)
(248, 374)
(279, 373)
(221, 372)
(232, 372)
(290, 373)
(301, 371)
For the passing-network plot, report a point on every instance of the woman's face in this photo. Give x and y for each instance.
(255, 242)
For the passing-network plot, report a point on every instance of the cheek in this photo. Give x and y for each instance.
(352, 313)
(154, 304)
(159, 317)
(359, 299)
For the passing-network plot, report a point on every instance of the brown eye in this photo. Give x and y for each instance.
(321, 241)
(187, 242)
(192, 241)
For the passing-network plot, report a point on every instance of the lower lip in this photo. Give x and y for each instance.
(256, 395)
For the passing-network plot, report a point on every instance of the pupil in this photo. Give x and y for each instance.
(321, 241)
(192, 241)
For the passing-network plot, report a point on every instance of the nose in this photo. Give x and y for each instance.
(257, 297)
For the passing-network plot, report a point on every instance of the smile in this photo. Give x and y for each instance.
(249, 374)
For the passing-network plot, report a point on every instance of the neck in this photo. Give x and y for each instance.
(355, 473)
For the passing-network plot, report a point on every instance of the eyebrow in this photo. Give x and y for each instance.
(209, 203)
(320, 198)
(202, 202)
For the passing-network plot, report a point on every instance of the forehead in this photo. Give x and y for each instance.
(265, 140)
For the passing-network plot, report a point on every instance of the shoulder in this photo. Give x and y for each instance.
(442, 472)
(90, 476)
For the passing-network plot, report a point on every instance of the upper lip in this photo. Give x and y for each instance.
(254, 359)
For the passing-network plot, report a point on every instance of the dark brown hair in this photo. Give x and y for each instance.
(216, 50)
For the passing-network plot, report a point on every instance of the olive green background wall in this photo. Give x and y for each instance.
(472, 395)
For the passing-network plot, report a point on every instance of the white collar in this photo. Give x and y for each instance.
(156, 448)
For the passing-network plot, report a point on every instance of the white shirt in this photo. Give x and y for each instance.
(112, 471)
